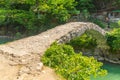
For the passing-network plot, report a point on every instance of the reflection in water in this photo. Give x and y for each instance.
(113, 72)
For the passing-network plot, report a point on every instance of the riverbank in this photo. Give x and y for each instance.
(102, 55)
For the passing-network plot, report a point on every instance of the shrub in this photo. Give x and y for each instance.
(85, 4)
(114, 25)
(70, 65)
(91, 39)
(84, 41)
(57, 53)
(113, 39)
(30, 15)
(118, 23)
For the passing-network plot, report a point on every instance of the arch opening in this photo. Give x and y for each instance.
(91, 42)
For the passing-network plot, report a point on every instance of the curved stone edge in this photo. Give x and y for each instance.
(62, 34)
(22, 52)
(78, 31)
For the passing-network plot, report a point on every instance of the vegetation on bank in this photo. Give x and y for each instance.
(113, 39)
(33, 16)
(19, 17)
(71, 65)
(91, 40)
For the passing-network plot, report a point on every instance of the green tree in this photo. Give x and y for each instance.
(57, 9)
(70, 65)
(29, 15)
(113, 39)
(84, 5)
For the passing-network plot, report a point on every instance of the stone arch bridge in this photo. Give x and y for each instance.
(28, 50)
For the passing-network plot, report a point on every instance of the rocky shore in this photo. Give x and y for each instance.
(103, 55)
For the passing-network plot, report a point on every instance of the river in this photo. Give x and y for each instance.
(5, 40)
(113, 72)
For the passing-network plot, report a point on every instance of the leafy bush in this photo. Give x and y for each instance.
(118, 23)
(70, 65)
(2, 17)
(114, 25)
(29, 15)
(19, 20)
(85, 5)
(91, 39)
(57, 53)
(57, 9)
(84, 41)
(113, 39)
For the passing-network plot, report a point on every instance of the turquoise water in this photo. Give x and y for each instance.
(4, 40)
(113, 72)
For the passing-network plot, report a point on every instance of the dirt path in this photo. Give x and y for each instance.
(7, 72)
(10, 72)
(46, 74)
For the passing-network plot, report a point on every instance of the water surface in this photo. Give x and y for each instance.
(5, 40)
(113, 72)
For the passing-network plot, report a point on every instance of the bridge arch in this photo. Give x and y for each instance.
(20, 50)
(79, 30)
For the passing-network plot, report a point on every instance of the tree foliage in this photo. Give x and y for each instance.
(33, 15)
(89, 40)
(29, 15)
(70, 65)
(84, 5)
(113, 39)
(84, 41)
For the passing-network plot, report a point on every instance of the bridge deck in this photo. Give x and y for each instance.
(39, 43)
(25, 53)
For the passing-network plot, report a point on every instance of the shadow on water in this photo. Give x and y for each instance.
(113, 72)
